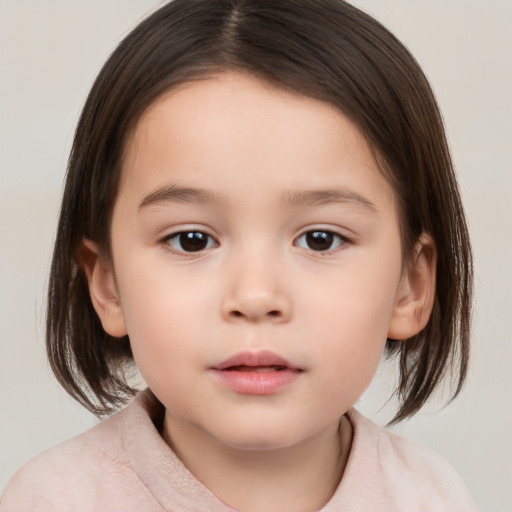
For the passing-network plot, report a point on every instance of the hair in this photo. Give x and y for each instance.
(323, 49)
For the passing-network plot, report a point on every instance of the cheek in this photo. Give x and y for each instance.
(357, 302)
(348, 356)
(163, 315)
(352, 315)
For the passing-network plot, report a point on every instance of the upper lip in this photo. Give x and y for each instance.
(256, 359)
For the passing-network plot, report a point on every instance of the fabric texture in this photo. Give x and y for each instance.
(124, 465)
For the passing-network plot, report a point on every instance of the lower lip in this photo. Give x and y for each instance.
(257, 382)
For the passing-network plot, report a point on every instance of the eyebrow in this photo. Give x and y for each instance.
(174, 194)
(307, 198)
(296, 199)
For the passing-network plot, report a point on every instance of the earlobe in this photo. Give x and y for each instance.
(102, 288)
(416, 293)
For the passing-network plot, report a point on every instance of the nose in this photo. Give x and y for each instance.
(255, 293)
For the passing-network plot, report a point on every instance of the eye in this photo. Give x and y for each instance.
(190, 241)
(320, 240)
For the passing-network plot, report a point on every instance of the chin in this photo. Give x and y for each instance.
(261, 437)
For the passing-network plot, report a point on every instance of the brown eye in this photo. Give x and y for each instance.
(191, 241)
(320, 241)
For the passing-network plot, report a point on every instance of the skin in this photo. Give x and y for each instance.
(256, 152)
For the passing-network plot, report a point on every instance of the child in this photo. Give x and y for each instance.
(259, 202)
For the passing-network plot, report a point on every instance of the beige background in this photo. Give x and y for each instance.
(50, 52)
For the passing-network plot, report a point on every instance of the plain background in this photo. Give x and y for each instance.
(50, 52)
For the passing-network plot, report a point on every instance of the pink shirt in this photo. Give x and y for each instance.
(123, 465)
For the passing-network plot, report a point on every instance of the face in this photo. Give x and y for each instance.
(257, 261)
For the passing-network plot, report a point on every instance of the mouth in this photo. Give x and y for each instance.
(256, 373)
(256, 361)
(244, 368)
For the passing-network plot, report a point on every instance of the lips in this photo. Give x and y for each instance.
(244, 368)
(256, 373)
(264, 359)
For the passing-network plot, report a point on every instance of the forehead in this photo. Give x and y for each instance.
(235, 126)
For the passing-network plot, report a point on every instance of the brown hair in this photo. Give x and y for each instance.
(325, 49)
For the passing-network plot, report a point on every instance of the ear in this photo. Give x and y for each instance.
(102, 289)
(416, 293)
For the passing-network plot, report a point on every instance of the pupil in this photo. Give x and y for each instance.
(319, 240)
(193, 241)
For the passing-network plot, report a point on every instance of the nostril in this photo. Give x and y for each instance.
(237, 314)
(274, 313)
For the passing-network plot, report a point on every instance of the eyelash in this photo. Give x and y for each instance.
(324, 235)
(191, 234)
(176, 240)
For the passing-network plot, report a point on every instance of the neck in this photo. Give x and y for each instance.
(302, 477)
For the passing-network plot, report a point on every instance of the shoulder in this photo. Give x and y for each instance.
(88, 469)
(409, 474)
(48, 479)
